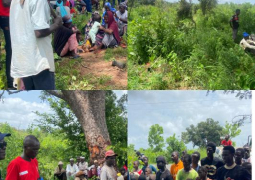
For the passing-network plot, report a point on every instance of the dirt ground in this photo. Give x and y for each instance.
(94, 64)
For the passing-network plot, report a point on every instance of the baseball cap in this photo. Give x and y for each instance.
(3, 135)
(110, 153)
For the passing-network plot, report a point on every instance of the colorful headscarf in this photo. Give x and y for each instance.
(111, 9)
(62, 8)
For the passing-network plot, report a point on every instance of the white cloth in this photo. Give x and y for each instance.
(30, 55)
(244, 44)
(71, 169)
(93, 31)
(83, 167)
(67, 11)
(122, 16)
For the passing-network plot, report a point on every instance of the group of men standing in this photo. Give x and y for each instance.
(234, 165)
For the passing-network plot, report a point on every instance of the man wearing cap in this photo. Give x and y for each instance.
(247, 44)
(71, 169)
(83, 166)
(108, 172)
(25, 167)
(3, 145)
(60, 172)
(163, 173)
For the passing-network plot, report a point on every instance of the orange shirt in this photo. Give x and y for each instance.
(175, 168)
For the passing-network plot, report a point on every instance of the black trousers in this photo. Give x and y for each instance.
(4, 25)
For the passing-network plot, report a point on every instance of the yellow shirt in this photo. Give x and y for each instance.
(175, 168)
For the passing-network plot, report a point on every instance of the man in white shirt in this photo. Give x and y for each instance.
(32, 53)
(71, 169)
(108, 172)
(247, 44)
(83, 166)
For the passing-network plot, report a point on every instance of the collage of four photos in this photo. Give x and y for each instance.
(127, 89)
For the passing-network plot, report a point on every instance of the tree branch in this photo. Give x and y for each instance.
(2, 94)
(13, 92)
(58, 94)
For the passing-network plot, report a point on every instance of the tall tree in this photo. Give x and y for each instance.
(155, 138)
(208, 131)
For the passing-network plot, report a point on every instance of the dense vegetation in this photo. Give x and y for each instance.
(61, 136)
(189, 46)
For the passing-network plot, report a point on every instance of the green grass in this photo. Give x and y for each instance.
(115, 53)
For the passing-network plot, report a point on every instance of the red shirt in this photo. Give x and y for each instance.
(4, 11)
(19, 169)
(226, 143)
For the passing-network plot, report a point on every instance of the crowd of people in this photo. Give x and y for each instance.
(25, 167)
(234, 165)
(29, 24)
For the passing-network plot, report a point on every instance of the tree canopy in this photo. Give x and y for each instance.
(155, 138)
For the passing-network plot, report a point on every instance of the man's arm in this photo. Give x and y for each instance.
(7, 3)
(46, 32)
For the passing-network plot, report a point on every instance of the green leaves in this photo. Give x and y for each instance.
(155, 138)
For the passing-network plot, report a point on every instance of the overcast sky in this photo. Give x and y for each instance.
(222, 1)
(177, 110)
(18, 109)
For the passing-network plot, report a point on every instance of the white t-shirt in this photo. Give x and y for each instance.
(30, 55)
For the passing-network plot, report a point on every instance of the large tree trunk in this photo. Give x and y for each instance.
(89, 108)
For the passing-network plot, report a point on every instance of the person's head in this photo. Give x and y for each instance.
(227, 137)
(3, 145)
(238, 11)
(97, 18)
(148, 171)
(122, 171)
(67, 21)
(145, 161)
(161, 162)
(195, 157)
(247, 166)
(122, 8)
(82, 159)
(110, 158)
(136, 164)
(107, 6)
(175, 157)
(78, 159)
(71, 161)
(96, 163)
(228, 154)
(202, 173)
(183, 153)
(246, 152)
(60, 164)
(239, 155)
(186, 162)
(31, 146)
(210, 149)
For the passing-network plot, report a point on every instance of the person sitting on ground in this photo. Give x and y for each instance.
(177, 165)
(195, 159)
(108, 172)
(71, 169)
(202, 174)
(226, 141)
(111, 37)
(89, 25)
(231, 170)
(146, 164)
(239, 155)
(247, 157)
(122, 17)
(83, 166)
(94, 29)
(247, 166)
(62, 10)
(136, 168)
(78, 160)
(187, 172)
(210, 162)
(163, 172)
(60, 172)
(149, 175)
(65, 39)
(247, 44)
(107, 7)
